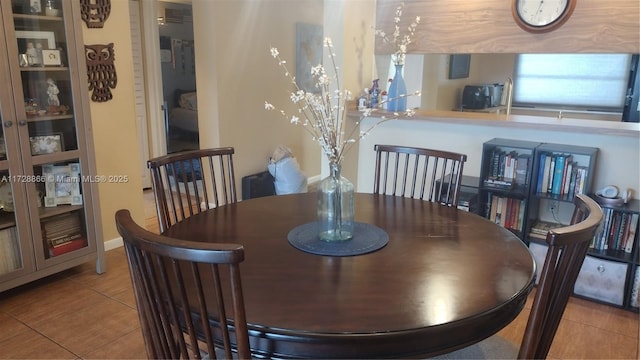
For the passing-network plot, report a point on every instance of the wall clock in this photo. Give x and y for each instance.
(540, 16)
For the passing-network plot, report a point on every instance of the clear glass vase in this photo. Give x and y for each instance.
(335, 206)
(397, 92)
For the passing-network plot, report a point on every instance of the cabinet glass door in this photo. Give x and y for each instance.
(16, 250)
(48, 124)
(11, 249)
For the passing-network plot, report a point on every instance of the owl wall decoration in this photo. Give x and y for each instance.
(101, 71)
(95, 12)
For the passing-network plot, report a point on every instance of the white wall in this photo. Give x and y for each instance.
(618, 159)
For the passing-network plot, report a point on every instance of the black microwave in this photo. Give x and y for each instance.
(481, 96)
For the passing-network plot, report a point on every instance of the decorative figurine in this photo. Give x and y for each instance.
(53, 91)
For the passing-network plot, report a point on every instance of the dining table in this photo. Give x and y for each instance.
(422, 279)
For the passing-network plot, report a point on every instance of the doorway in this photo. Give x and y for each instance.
(178, 70)
(157, 96)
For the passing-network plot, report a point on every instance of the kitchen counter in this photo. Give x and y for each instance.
(545, 123)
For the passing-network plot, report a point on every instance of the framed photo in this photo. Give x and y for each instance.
(35, 6)
(51, 58)
(46, 144)
(62, 184)
(46, 38)
(459, 66)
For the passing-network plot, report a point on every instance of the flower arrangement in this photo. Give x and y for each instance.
(323, 114)
(399, 42)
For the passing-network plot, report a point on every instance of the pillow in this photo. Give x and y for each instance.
(189, 101)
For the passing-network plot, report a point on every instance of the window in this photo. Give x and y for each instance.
(581, 81)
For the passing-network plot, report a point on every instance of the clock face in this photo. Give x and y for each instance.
(541, 13)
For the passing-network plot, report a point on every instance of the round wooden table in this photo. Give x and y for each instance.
(445, 280)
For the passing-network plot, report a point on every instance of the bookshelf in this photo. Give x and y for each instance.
(539, 196)
(505, 180)
(615, 247)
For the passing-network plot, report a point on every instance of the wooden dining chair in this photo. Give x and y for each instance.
(174, 310)
(427, 174)
(567, 248)
(189, 182)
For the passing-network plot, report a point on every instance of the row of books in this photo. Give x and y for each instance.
(618, 231)
(506, 212)
(558, 174)
(63, 233)
(540, 229)
(507, 169)
(9, 250)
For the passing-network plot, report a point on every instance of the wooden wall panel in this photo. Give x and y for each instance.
(487, 26)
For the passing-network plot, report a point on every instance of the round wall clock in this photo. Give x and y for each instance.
(539, 16)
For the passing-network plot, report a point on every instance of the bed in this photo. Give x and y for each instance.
(184, 114)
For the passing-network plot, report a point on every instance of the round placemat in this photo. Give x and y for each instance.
(366, 238)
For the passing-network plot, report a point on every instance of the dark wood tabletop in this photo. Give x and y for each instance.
(445, 280)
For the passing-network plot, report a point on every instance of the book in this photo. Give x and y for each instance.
(521, 215)
(501, 164)
(515, 209)
(623, 231)
(606, 228)
(633, 226)
(572, 184)
(541, 173)
(494, 208)
(558, 173)
(508, 213)
(551, 170)
(68, 247)
(510, 166)
(581, 180)
(499, 212)
(540, 229)
(63, 239)
(566, 179)
(494, 166)
(498, 184)
(613, 231)
(522, 165)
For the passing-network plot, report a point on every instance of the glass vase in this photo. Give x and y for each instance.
(397, 93)
(335, 206)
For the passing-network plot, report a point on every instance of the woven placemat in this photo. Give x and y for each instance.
(366, 238)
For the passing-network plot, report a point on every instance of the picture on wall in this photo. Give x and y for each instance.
(459, 66)
(308, 54)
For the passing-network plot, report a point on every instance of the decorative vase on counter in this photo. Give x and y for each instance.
(335, 206)
(397, 92)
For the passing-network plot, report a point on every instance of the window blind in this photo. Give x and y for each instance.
(591, 81)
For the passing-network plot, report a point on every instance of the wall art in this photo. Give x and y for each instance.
(101, 71)
(308, 54)
(95, 12)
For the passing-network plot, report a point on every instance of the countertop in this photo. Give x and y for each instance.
(573, 125)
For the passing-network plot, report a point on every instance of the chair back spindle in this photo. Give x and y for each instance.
(420, 173)
(189, 182)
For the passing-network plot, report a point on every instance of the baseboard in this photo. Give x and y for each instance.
(113, 244)
(312, 182)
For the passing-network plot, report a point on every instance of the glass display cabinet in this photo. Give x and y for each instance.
(47, 203)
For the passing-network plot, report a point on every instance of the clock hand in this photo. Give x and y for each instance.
(539, 9)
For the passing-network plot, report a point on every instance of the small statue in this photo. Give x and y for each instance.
(32, 54)
(53, 91)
